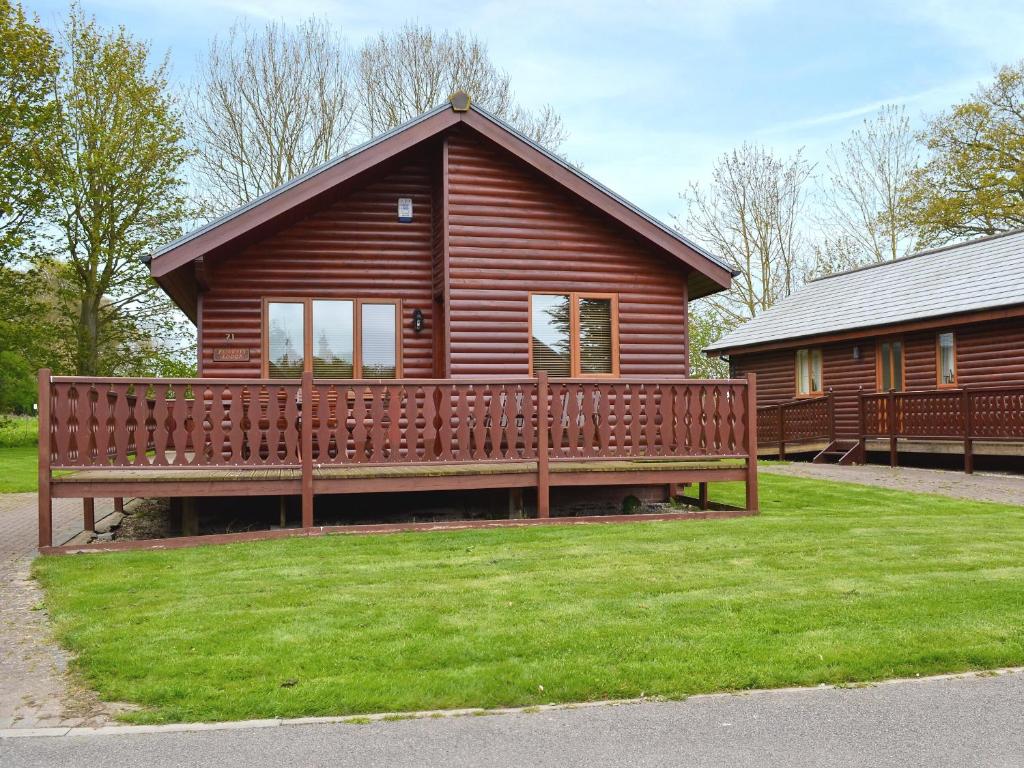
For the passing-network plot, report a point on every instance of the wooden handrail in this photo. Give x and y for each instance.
(967, 414)
(303, 424)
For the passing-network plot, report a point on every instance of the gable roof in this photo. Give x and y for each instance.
(272, 208)
(983, 274)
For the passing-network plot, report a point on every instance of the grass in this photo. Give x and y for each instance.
(18, 453)
(834, 583)
(18, 469)
(18, 431)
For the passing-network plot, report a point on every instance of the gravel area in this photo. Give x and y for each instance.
(981, 486)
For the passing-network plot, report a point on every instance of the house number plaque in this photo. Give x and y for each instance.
(230, 355)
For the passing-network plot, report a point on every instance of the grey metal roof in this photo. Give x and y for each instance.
(404, 126)
(986, 273)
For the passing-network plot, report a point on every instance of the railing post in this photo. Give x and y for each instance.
(45, 502)
(782, 432)
(862, 427)
(543, 489)
(306, 437)
(831, 416)
(968, 422)
(891, 412)
(752, 502)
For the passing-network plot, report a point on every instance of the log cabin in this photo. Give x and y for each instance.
(447, 308)
(923, 355)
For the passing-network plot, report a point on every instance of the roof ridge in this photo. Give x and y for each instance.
(926, 252)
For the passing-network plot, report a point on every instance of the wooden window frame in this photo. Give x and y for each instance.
(939, 383)
(796, 367)
(890, 340)
(307, 332)
(574, 331)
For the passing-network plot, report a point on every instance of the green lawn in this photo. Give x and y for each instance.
(833, 583)
(18, 468)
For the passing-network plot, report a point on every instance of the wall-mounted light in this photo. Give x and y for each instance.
(417, 320)
(856, 352)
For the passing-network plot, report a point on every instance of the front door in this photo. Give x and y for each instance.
(890, 365)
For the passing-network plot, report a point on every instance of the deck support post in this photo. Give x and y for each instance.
(702, 495)
(894, 459)
(515, 504)
(751, 484)
(88, 514)
(119, 504)
(968, 421)
(307, 449)
(189, 517)
(543, 489)
(45, 502)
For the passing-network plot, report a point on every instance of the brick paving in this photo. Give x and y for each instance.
(981, 486)
(35, 688)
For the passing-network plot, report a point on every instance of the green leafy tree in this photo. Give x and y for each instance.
(114, 170)
(28, 61)
(706, 327)
(973, 181)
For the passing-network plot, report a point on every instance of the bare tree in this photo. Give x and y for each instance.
(750, 214)
(865, 177)
(269, 105)
(413, 69)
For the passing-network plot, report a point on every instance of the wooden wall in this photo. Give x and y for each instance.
(508, 231)
(988, 354)
(354, 248)
(512, 232)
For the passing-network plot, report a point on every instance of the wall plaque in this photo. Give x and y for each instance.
(230, 355)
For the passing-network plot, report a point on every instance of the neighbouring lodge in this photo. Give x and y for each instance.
(448, 307)
(921, 355)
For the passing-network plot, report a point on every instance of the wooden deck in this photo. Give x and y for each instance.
(186, 438)
(967, 421)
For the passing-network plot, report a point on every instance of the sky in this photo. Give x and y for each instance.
(653, 92)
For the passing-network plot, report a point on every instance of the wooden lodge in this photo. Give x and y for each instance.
(922, 355)
(446, 308)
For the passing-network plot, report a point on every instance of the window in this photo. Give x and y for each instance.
(808, 372)
(286, 347)
(378, 343)
(574, 334)
(890, 365)
(341, 338)
(946, 359)
(334, 353)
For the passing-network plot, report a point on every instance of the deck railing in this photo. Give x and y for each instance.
(804, 420)
(966, 415)
(100, 423)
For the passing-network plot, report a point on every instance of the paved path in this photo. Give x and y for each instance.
(34, 687)
(981, 486)
(961, 722)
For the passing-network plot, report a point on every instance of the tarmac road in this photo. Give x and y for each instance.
(959, 721)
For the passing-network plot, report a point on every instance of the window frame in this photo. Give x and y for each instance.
(890, 340)
(307, 332)
(939, 383)
(810, 360)
(574, 331)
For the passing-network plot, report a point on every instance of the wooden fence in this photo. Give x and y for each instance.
(968, 414)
